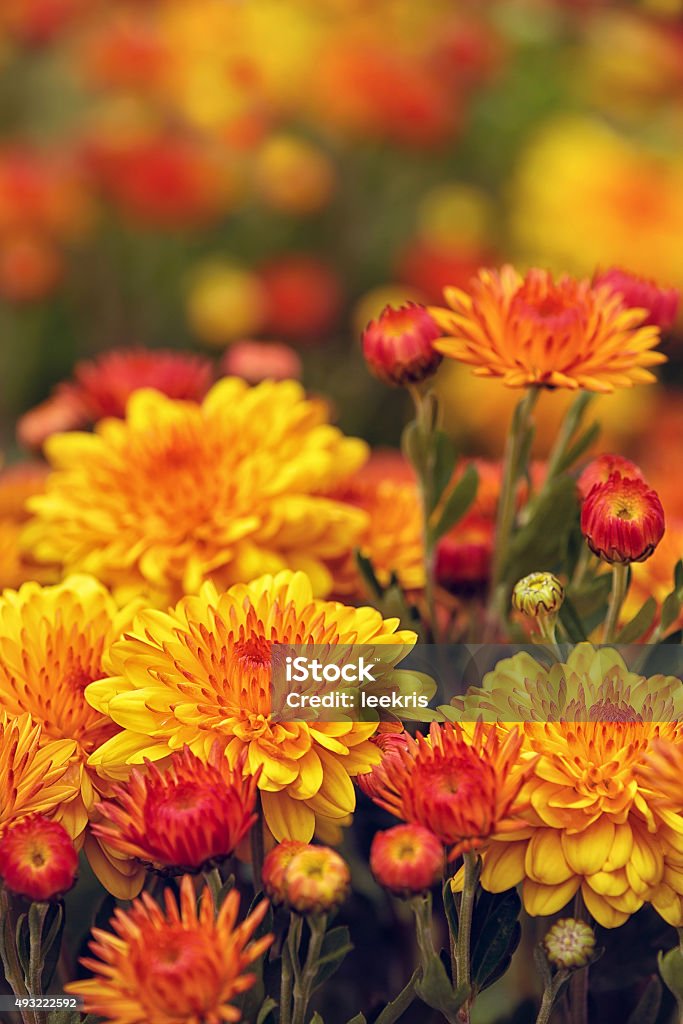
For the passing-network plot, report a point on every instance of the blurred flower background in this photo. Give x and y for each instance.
(199, 174)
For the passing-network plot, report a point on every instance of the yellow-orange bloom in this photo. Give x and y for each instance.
(180, 492)
(202, 672)
(595, 819)
(175, 964)
(535, 331)
(34, 770)
(17, 484)
(462, 788)
(52, 644)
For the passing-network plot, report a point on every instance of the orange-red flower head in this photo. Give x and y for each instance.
(37, 858)
(180, 963)
(407, 859)
(600, 469)
(622, 520)
(398, 346)
(535, 331)
(660, 304)
(183, 817)
(391, 740)
(458, 787)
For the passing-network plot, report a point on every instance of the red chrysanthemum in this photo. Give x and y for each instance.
(398, 346)
(37, 858)
(102, 387)
(460, 787)
(661, 304)
(407, 859)
(182, 817)
(391, 739)
(622, 520)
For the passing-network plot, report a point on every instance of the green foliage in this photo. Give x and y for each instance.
(336, 946)
(541, 543)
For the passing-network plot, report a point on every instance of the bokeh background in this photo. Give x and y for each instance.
(192, 173)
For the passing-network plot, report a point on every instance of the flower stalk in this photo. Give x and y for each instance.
(304, 980)
(619, 588)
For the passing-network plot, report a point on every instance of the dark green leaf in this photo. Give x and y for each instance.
(671, 970)
(571, 622)
(670, 609)
(367, 572)
(542, 542)
(647, 1010)
(358, 1019)
(336, 946)
(678, 575)
(495, 935)
(457, 502)
(639, 624)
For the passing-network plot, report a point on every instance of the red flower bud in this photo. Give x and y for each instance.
(37, 858)
(601, 469)
(622, 520)
(398, 345)
(407, 859)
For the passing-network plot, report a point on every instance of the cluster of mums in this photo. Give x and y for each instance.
(187, 536)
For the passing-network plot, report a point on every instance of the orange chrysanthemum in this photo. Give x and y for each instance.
(52, 643)
(598, 813)
(180, 492)
(459, 787)
(535, 331)
(184, 818)
(202, 672)
(34, 770)
(38, 858)
(183, 964)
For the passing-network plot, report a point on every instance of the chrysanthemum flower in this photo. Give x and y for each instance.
(460, 787)
(52, 644)
(37, 858)
(407, 859)
(275, 866)
(600, 469)
(179, 963)
(535, 331)
(202, 671)
(538, 594)
(591, 821)
(184, 818)
(622, 520)
(34, 770)
(102, 386)
(463, 556)
(569, 943)
(180, 492)
(661, 304)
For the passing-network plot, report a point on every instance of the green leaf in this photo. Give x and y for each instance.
(53, 929)
(436, 991)
(671, 970)
(413, 447)
(647, 1010)
(336, 946)
(443, 458)
(495, 935)
(358, 1019)
(579, 447)
(457, 503)
(317, 1019)
(639, 624)
(266, 1010)
(542, 542)
(367, 573)
(450, 908)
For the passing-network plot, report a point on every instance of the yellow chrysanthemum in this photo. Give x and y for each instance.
(34, 771)
(52, 642)
(595, 821)
(17, 484)
(201, 672)
(179, 492)
(535, 331)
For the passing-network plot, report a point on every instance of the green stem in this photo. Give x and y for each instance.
(257, 845)
(547, 625)
(214, 883)
(422, 909)
(424, 420)
(303, 985)
(290, 968)
(514, 447)
(465, 913)
(619, 588)
(550, 993)
(564, 438)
